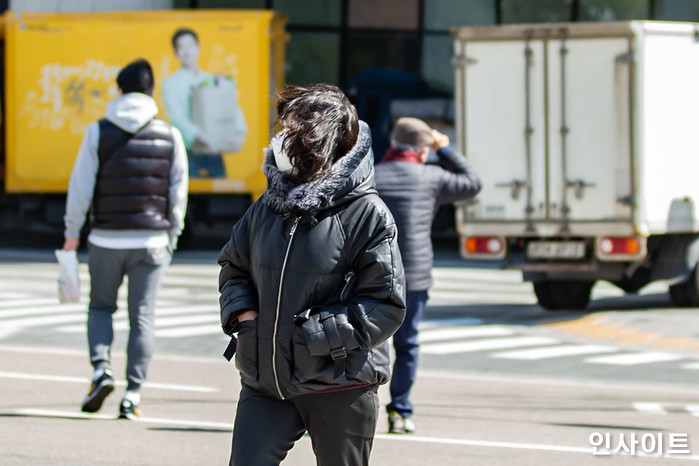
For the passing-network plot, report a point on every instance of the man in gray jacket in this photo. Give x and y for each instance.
(131, 176)
(413, 192)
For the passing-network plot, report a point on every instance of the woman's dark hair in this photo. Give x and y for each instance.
(321, 126)
(137, 76)
(183, 32)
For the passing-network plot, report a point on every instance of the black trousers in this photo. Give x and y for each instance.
(341, 426)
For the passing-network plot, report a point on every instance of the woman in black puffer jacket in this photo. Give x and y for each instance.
(312, 284)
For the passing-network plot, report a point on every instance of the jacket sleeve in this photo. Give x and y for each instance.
(376, 307)
(458, 180)
(235, 283)
(82, 183)
(179, 182)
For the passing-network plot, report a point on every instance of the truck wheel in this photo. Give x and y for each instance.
(685, 294)
(560, 295)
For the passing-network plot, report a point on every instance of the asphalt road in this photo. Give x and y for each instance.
(501, 381)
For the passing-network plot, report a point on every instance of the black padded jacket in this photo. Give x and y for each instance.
(321, 265)
(414, 192)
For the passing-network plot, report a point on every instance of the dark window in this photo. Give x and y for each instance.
(613, 10)
(440, 15)
(322, 13)
(395, 50)
(313, 57)
(536, 11)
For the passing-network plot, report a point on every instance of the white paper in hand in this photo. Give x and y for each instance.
(68, 279)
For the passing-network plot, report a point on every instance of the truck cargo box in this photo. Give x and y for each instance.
(585, 137)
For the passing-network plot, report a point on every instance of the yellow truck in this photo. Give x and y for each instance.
(60, 72)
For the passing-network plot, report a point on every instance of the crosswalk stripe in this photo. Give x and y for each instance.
(635, 358)
(43, 310)
(13, 295)
(27, 302)
(121, 322)
(195, 330)
(650, 408)
(554, 352)
(691, 366)
(42, 321)
(435, 323)
(483, 345)
(693, 410)
(426, 336)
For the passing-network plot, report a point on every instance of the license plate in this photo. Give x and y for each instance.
(556, 250)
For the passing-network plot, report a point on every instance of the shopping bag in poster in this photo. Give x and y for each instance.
(216, 112)
(68, 278)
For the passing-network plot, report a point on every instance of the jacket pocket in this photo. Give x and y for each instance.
(312, 368)
(246, 353)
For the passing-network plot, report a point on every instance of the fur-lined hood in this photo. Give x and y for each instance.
(352, 176)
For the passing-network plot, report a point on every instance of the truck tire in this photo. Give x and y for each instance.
(685, 294)
(561, 295)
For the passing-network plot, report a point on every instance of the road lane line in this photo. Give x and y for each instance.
(691, 366)
(483, 345)
(554, 352)
(649, 408)
(634, 359)
(86, 381)
(400, 438)
(429, 335)
(522, 446)
(693, 410)
(438, 323)
(28, 302)
(107, 417)
(192, 331)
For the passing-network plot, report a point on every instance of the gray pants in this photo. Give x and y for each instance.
(145, 269)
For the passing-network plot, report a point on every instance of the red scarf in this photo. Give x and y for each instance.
(396, 155)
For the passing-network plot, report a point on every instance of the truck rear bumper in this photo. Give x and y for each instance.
(545, 229)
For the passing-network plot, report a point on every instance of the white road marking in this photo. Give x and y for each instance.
(520, 446)
(192, 331)
(649, 408)
(107, 417)
(692, 366)
(429, 335)
(383, 437)
(439, 323)
(634, 359)
(86, 381)
(554, 352)
(26, 302)
(483, 345)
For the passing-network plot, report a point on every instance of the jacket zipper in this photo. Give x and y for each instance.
(279, 303)
(348, 279)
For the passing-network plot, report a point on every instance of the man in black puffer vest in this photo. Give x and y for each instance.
(131, 175)
(413, 192)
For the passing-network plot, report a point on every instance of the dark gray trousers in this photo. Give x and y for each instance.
(341, 426)
(145, 269)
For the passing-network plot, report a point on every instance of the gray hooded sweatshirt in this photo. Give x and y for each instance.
(129, 112)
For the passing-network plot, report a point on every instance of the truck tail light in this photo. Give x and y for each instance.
(620, 248)
(483, 246)
(619, 245)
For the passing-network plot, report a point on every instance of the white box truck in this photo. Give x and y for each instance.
(586, 137)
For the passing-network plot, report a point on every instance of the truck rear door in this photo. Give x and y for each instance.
(589, 158)
(545, 115)
(505, 126)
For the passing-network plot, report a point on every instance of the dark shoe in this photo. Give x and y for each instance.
(129, 410)
(398, 424)
(99, 390)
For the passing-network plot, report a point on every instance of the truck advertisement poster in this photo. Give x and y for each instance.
(213, 81)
